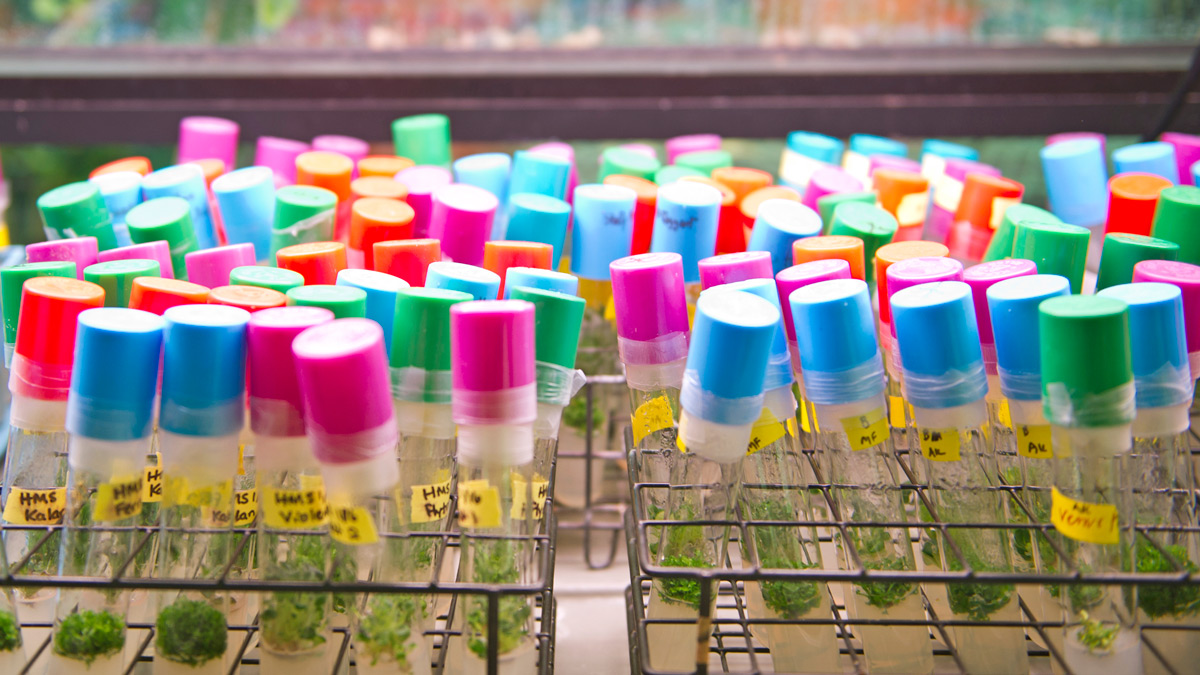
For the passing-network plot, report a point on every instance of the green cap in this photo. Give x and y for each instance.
(425, 139)
(1177, 219)
(627, 162)
(705, 161)
(78, 210)
(672, 173)
(1122, 251)
(421, 340)
(346, 302)
(274, 278)
(1001, 246)
(295, 204)
(166, 219)
(1086, 362)
(558, 318)
(12, 280)
(116, 278)
(1056, 248)
(827, 204)
(868, 222)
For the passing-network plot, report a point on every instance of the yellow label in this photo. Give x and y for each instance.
(152, 482)
(245, 507)
(119, 499)
(947, 193)
(791, 426)
(1082, 521)
(940, 445)
(679, 444)
(541, 490)
(43, 506)
(896, 412)
(312, 481)
(1033, 441)
(478, 504)
(767, 429)
(910, 212)
(610, 310)
(812, 415)
(352, 525)
(804, 423)
(999, 206)
(430, 502)
(294, 509)
(651, 416)
(179, 491)
(866, 430)
(241, 459)
(1004, 415)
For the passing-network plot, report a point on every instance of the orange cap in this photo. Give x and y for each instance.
(50, 307)
(643, 210)
(1132, 198)
(212, 168)
(890, 254)
(903, 194)
(378, 187)
(139, 165)
(156, 295)
(318, 262)
(498, 256)
(373, 220)
(249, 298)
(383, 165)
(750, 203)
(731, 234)
(328, 170)
(742, 180)
(408, 259)
(832, 247)
(985, 199)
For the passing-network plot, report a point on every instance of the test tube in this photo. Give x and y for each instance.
(935, 152)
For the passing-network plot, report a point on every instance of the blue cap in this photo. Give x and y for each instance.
(540, 218)
(779, 224)
(246, 198)
(116, 374)
(779, 363)
(841, 361)
(940, 148)
(1157, 158)
(603, 228)
(1076, 181)
(204, 370)
(817, 146)
(546, 280)
(381, 290)
(867, 145)
(187, 182)
(939, 345)
(121, 191)
(1196, 173)
(685, 222)
(1156, 341)
(727, 358)
(1013, 304)
(541, 174)
(476, 282)
(489, 170)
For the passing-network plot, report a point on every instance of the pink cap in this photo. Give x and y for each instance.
(159, 251)
(1187, 277)
(893, 162)
(1187, 153)
(958, 169)
(649, 296)
(421, 181)
(82, 251)
(354, 148)
(279, 155)
(980, 278)
(564, 151)
(462, 220)
(211, 267)
(208, 138)
(491, 345)
(681, 145)
(828, 180)
(806, 274)
(734, 267)
(273, 368)
(917, 271)
(1076, 135)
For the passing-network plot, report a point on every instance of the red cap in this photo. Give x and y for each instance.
(498, 256)
(985, 198)
(643, 210)
(45, 348)
(731, 231)
(1132, 199)
(249, 298)
(156, 295)
(408, 259)
(318, 262)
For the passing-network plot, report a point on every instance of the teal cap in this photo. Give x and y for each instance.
(628, 163)
(12, 280)
(274, 278)
(345, 302)
(116, 278)
(1001, 246)
(672, 173)
(705, 161)
(1056, 248)
(78, 210)
(425, 139)
(1122, 251)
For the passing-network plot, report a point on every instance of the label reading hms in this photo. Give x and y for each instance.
(294, 509)
(430, 502)
(119, 499)
(35, 506)
(521, 495)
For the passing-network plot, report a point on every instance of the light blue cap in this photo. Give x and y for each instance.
(840, 361)
(539, 173)
(866, 144)
(727, 358)
(1196, 173)
(779, 363)
(673, 172)
(940, 148)
(1156, 157)
(246, 198)
(116, 374)
(817, 146)
(121, 191)
(540, 218)
(685, 222)
(779, 224)
(1156, 341)
(1076, 181)
(381, 290)
(939, 345)
(603, 228)
(488, 170)
(204, 370)
(1013, 304)
(546, 280)
(476, 282)
(187, 182)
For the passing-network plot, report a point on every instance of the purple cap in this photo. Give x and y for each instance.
(563, 151)
(211, 267)
(354, 148)
(462, 220)
(980, 278)
(272, 365)
(733, 267)
(421, 181)
(279, 155)
(1076, 135)
(1187, 277)
(159, 251)
(681, 145)
(649, 296)
(82, 251)
(1187, 153)
(892, 162)
(959, 168)
(806, 274)
(208, 138)
(828, 180)
(917, 271)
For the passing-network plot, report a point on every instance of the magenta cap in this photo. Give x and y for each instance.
(208, 138)
(733, 267)
(1077, 135)
(82, 251)
(828, 180)
(349, 146)
(959, 168)
(421, 181)
(1187, 277)
(462, 220)
(892, 162)
(917, 271)
(279, 155)
(491, 345)
(1187, 153)
(980, 278)
(211, 267)
(681, 145)
(806, 274)
(649, 296)
(159, 251)
(273, 382)
(345, 383)
(562, 151)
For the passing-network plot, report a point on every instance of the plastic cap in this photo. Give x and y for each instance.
(870, 223)
(344, 301)
(876, 163)
(1157, 158)
(538, 217)
(946, 149)
(477, 282)
(846, 339)
(46, 335)
(561, 151)
(1123, 251)
(958, 169)
(112, 390)
(828, 204)
(539, 173)
(166, 219)
(489, 171)
(246, 199)
(603, 228)
(211, 168)
(890, 254)
(627, 162)
(649, 296)
(1013, 307)
(546, 280)
(377, 187)
(499, 256)
(806, 274)
(557, 320)
(269, 337)
(381, 290)
(187, 182)
(750, 203)
(1176, 220)
(983, 276)
(407, 259)
(139, 165)
(916, 271)
(382, 165)
(781, 223)
(1187, 153)
(78, 210)
(462, 220)
(342, 370)
(904, 194)
(867, 145)
(249, 298)
(1133, 197)
(121, 191)
(828, 180)
(208, 137)
(731, 225)
(1187, 277)
(492, 345)
(354, 148)
(1075, 135)
(816, 146)
(835, 247)
(727, 358)
(82, 251)
(985, 198)
(279, 155)
(421, 182)
(272, 278)
(421, 333)
(303, 213)
(211, 267)
(779, 364)
(116, 278)
(204, 370)
(423, 138)
(704, 161)
(742, 180)
(1086, 361)
(327, 170)
(1157, 346)
(939, 345)
(733, 267)
(12, 279)
(1001, 245)
(1076, 181)
(1056, 248)
(674, 172)
(318, 262)
(680, 145)
(375, 220)
(157, 295)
